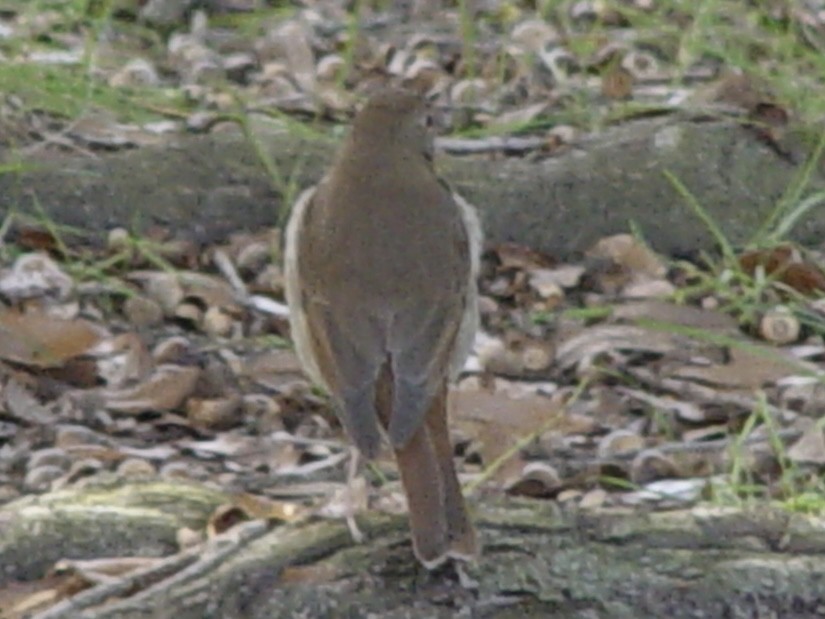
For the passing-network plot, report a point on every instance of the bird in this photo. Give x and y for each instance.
(381, 266)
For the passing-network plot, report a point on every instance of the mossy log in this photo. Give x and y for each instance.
(208, 186)
(539, 561)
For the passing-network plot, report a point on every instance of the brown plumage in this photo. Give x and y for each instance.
(381, 261)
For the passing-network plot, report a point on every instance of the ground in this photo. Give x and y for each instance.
(638, 426)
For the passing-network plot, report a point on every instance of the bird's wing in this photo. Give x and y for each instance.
(349, 352)
(341, 353)
(422, 341)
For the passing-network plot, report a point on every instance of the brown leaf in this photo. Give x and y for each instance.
(123, 359)
(259, 507)
(224, 518)
(619, 442)
(22, 405)
(39, 340)
(651, 464)
(314, 574)
(746, 369)
(498, 421)
(513, 256)
(275, 368)
(734, 89)
(583, 348)
(520, 358)
(785, 264)
(538, 480)
(24, 599)
(683, 315)
(629, 254)
(617, 83)
(92, 570)
(36, 239)
(166, 389)
(214, 414)
(290, 42)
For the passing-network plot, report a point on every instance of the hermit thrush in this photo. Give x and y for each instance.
(381, 262)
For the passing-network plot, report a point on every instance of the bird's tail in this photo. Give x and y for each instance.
(439, 521)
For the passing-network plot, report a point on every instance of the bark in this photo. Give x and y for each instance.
(205, 187)
(538, 561)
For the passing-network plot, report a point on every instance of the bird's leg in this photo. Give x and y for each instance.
(350, 498)
(351, 508)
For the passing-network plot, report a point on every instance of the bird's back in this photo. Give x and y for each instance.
(405, 241)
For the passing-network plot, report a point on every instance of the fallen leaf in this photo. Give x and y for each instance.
(745, 369)
(259, 507)
(810, 447)
(214, 413)
(165, 389)
(498, 421)
(538, 480)
(617, 83)
(629, 253)
(582, 349)
(35, 275)
(785, 263)
(40, 340)
(513, 256)
(683, 315)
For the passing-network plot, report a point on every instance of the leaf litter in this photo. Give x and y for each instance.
(592, 395)
(604, 382)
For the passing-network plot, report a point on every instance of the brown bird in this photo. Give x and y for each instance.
(381, 266)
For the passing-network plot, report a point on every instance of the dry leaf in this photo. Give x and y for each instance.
(629, 253)
(260, 507)
(498, 421)
(533, 34)
(348, 499)
(593, 499)
(23, 406)
(513, 256)
(314, 574)
(214, 414)
(524, 357)
(566, 276)
(225, 444)
(94, 571)
(23, 600)
(683, 315)
(35, 275)
(122, 360)
(810, 447)
(39, 340)
(617, 83)
(166, 389)
(224, 518)
(36, 239)
(785, 263)
(274, 368)
(745, 369)
(291, 42)
(651, 464)
(619, 442)
(582, 349)
(519, 117)
(538, 480)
